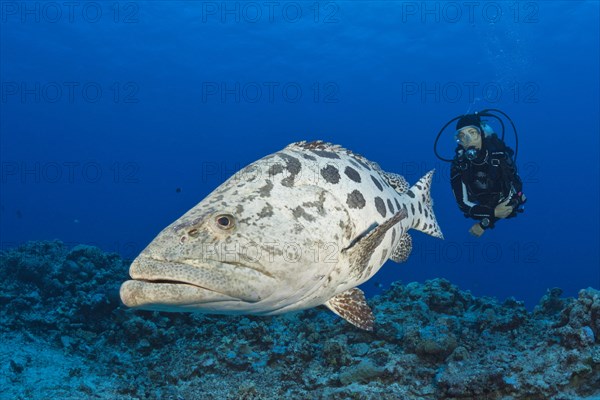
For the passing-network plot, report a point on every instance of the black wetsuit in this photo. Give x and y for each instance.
(479, 185)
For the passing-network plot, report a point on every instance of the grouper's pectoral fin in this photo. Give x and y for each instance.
(352, 306)
(361, 248)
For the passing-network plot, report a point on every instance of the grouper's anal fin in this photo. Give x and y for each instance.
(403, 248)
(352, 306)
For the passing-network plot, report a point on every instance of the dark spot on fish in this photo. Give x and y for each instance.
(275, 169)
(376, 182)
(397, 204)
(239, 209)
(299, 212)
(293, 166)
(297, 228)
(352, 174)
(390, 205)
(355, 200)
(364, 164)
(380, 206)
(288, 182)
(412, 209)
(393, 236)
(420, 208)
(244, 221)
(326, 154)
(357, 165)
(266, 211)
(331, 174)
(216, 199)
(319, 204)
(417, 223)
(426, 212)
(309, 157)
(410, 194)
(265, 191)
(248, 198)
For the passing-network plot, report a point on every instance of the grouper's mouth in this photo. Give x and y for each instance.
(168, 285)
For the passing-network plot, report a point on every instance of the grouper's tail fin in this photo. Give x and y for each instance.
(424, 218)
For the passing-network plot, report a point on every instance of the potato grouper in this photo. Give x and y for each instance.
(296, 229)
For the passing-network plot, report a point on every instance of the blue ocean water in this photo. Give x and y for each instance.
(117, 117)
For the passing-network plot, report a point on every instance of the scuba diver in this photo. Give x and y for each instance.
(483, 172)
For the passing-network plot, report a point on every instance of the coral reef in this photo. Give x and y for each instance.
(65, 335)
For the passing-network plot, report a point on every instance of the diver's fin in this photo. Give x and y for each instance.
(402, 249)
(424, 219)
(352, 306)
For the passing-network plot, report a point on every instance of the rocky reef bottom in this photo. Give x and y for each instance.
(65, 335)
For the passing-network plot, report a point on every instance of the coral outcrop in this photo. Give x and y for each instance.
(65, 335)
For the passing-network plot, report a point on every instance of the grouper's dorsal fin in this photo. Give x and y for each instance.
(397, 181)
(352, 306)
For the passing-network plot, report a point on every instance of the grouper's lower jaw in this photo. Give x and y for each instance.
(173, 297)
(160, 281)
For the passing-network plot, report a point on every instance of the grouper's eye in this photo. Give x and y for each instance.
(225, 221)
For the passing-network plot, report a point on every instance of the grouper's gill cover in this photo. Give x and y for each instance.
(296, 229)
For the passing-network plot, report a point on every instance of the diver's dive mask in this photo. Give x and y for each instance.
(467, 135)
